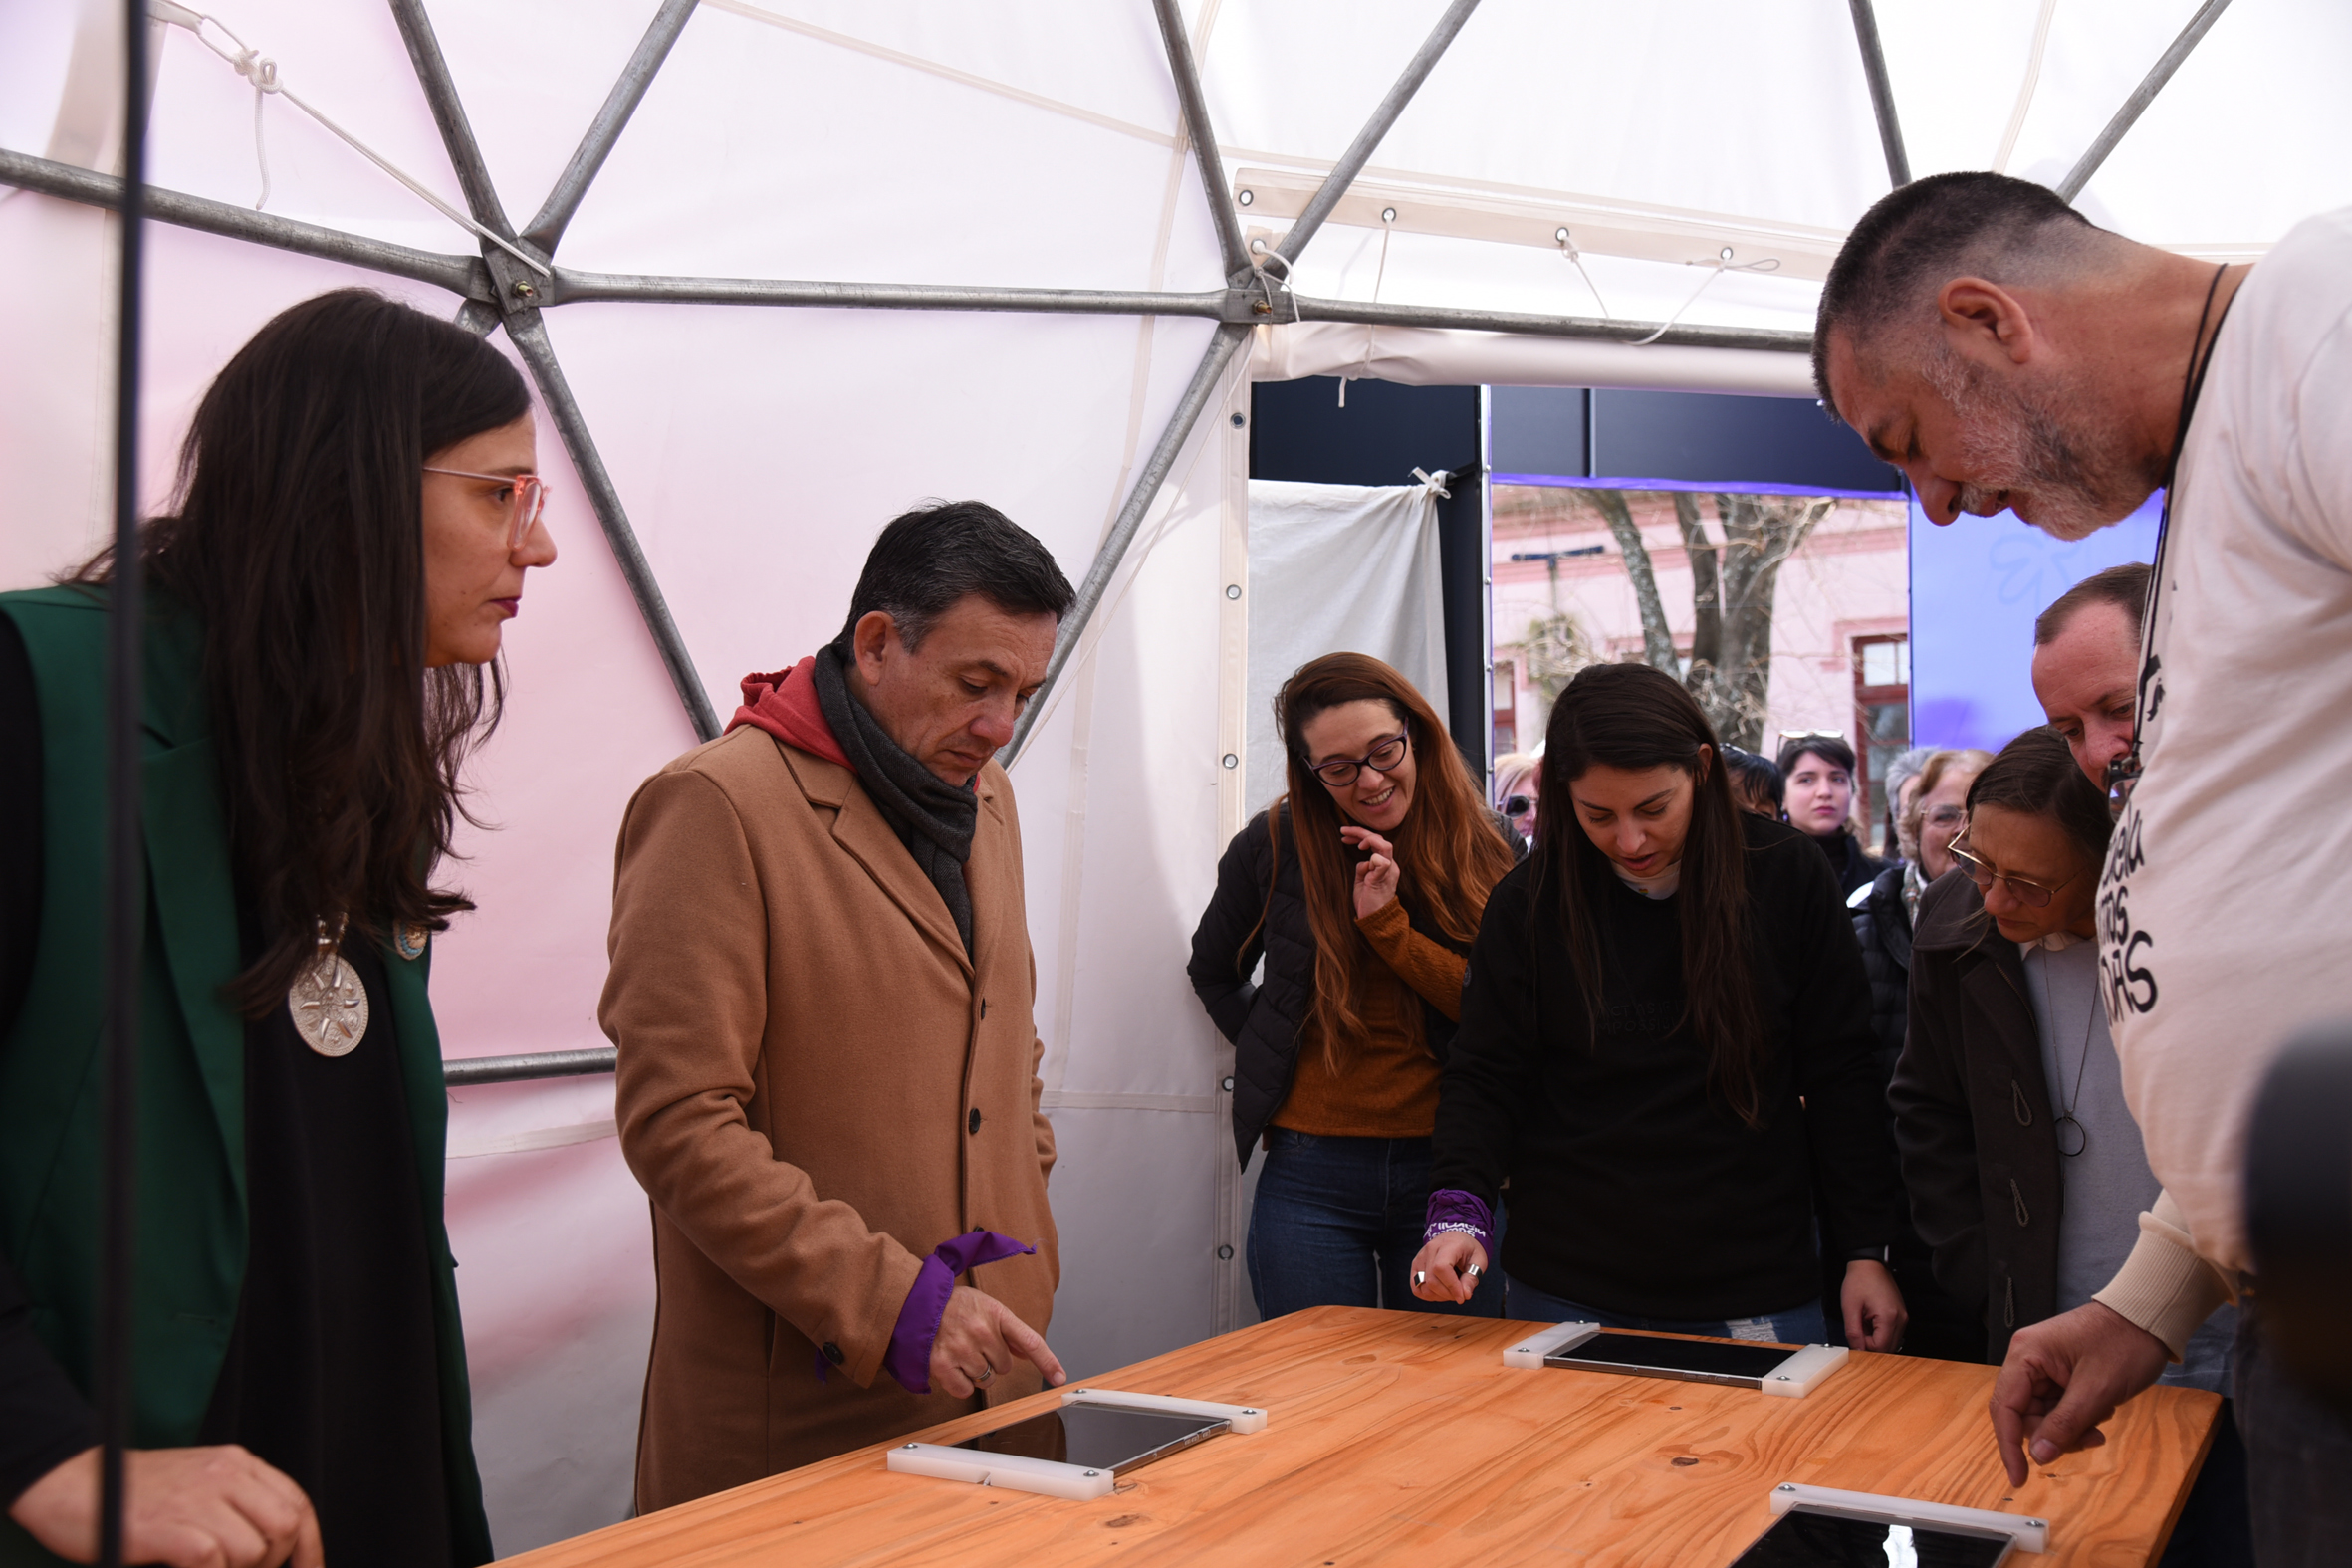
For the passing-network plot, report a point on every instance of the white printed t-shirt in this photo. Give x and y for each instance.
(2224, 922)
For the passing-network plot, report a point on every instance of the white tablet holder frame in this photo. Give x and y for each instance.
(1793, 1378)
(2027, 1534)
(1053, 1477)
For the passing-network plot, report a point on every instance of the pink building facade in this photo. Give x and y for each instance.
(1840, 621)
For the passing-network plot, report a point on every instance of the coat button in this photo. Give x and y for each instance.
(972, 1122)
(833, 1353)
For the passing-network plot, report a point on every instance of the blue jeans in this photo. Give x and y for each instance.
(1337, 1223)
(1802, 1325)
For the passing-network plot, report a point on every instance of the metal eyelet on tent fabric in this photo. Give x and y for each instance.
(2017, 1194)
(2018, 1104)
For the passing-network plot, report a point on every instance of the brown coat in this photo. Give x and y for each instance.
(816, 1087)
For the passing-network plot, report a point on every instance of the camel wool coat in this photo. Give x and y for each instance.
(816, 1087)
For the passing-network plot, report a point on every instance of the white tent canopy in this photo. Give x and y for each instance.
(1701, 156)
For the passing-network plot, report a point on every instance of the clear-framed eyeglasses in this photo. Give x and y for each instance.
(1341, 771)
(2026, 891)
(525, 498)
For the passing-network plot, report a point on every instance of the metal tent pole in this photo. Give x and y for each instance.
(1221, 347)
(1882, 94)
(555, 214)
(126, 865)
(569, 286)
(457, 133)
(1342, 175)
(529, 336)
(518, 297)
(1204, 139)
(2142, 96)
(460, 274)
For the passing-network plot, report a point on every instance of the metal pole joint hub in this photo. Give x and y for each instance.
(515, 287)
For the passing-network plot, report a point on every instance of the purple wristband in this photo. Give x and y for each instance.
(908, 1357)
(1451, 1208)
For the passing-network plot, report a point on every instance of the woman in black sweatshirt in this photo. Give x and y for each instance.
(1665, 1048)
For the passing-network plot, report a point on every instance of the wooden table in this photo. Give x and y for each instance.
(1399, 1438)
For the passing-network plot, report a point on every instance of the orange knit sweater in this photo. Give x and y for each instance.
(1386, 1086)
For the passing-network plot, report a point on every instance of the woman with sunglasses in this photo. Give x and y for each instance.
(1665, 1052)
(1361, 889)
(357, 510)
(1517, 782)
(2024, 1167)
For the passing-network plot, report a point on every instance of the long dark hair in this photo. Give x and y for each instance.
(2036, 775)
(1449, 856)
(297, 539)
(1633, 717)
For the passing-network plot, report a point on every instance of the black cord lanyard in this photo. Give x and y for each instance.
(2124, 771)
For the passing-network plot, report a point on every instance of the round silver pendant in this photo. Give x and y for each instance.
(2072, 1136)
(329, 1006)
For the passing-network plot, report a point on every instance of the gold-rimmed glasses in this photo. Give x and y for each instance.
(2026, 891)
(525, 499)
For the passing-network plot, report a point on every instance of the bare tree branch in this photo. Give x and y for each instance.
(1656, 637)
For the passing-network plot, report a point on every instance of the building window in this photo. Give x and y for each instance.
(1505, 707)
(1882, 727)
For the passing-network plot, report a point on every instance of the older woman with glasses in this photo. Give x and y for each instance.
(2024, 1167)
(1361, 889)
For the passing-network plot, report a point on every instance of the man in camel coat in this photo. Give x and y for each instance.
(821, 992)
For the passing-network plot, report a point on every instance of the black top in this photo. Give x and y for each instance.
(1882, 925)
(330, 1373)
(1634, 1186)
(1854, 866)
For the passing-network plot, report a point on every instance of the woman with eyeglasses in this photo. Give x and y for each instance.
(356, 513)
(1361, 889)
(2024, 1167)
(1665, 1052)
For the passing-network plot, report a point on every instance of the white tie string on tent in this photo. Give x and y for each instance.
(1435, 484)
(2042, 40)
(1721, 265)
(1379, 276)
(262, 71)
(1575, 259)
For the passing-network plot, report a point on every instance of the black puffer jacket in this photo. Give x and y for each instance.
(1883, 926)
(1263, 1021)
(1854, 865)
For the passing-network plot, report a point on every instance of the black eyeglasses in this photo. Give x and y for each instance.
(2025, 890)
(1341, 772)
(1517, 806)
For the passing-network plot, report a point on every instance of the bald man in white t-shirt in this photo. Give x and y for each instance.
(2007, 355)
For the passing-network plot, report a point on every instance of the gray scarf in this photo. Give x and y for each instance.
(932, 817)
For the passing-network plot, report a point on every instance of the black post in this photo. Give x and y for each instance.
(126, 846)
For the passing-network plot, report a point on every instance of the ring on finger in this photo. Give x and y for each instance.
(987, 1377)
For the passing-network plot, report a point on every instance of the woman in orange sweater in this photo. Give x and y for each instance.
(1361, 888)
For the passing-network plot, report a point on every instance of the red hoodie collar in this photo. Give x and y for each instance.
(785, 705)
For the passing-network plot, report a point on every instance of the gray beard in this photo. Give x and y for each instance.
(2073, 484)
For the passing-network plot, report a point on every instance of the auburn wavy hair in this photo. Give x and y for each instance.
(1636, 718)
(1449, 854)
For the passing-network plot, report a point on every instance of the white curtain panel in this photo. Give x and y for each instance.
(1337, 568)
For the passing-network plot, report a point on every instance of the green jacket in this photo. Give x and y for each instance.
(192, 1200)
